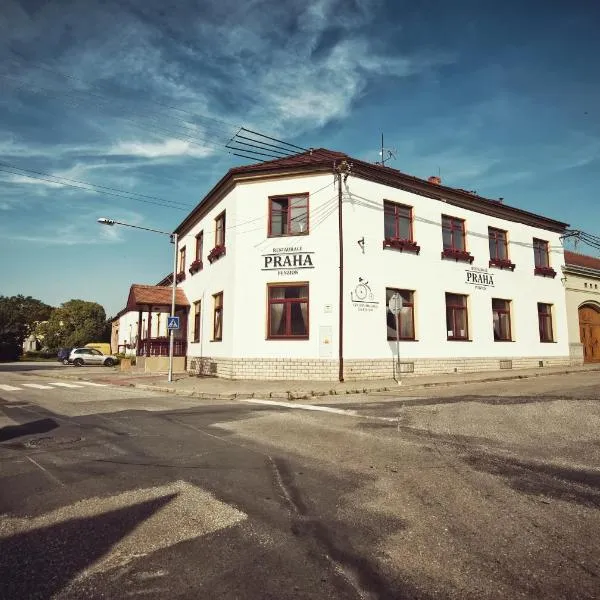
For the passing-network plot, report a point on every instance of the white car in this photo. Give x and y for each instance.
(91, 356)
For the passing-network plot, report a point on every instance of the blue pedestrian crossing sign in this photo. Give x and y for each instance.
(173, 323)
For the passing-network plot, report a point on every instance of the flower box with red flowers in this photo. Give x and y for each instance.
(216, 253)
(195, 267)
(180, 276)
(502, 263)
(401, 245)
(545, 271)
(455, 254)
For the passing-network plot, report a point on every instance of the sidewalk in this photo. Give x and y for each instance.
(225, 389)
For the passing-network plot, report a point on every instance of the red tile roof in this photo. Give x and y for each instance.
(582, 260)
(141, 296)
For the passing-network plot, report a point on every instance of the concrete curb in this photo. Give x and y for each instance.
(304, 395)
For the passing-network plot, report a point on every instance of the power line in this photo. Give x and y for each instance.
(94, 185)
(23, 173)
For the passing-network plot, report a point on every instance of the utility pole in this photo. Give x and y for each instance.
(342, 171)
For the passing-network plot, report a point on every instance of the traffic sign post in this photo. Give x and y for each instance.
(395, 307)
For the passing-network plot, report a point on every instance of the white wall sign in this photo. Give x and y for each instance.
(362, 297)
(480, 278)
(288, 260)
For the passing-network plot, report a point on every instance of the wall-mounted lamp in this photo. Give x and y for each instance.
(361, 243)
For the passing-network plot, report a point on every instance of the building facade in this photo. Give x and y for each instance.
(581, 276)
(259, 262)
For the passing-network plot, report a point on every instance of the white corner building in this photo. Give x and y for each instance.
(259, 264)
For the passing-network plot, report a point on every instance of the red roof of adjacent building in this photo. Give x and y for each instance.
(582, 260)
(142, 296)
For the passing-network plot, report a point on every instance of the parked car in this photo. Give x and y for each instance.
(91, 356)
(63, 355)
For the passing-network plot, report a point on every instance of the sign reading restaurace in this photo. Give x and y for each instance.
(287, 260)
(480, 278)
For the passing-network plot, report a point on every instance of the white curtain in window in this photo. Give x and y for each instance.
(276, 318)
(304, 309)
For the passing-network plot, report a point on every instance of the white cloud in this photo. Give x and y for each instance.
(32, 181)
(168, 148)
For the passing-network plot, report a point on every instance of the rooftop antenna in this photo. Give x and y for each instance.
(386, 154)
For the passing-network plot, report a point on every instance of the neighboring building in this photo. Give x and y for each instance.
(582, 284)
(258, 259)
(141, 327)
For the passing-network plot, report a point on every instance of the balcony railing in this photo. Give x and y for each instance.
(160, 347)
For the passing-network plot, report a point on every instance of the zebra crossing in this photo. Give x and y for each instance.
(50, 385)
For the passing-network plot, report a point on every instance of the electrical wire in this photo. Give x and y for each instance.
(91, 189)
(59, 179)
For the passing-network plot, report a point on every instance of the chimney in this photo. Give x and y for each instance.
(435, 179)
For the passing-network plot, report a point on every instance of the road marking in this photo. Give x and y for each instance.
(37, 386)
(10, 388)
(67, 385)
(328, 409)
(92, 383)
(48, 474)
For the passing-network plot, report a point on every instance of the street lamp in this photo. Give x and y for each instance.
(173, 236)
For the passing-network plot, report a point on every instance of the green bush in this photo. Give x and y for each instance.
(38, 355)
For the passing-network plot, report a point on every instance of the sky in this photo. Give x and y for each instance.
(140, 96)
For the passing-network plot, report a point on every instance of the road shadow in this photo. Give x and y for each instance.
(20, 367)
(40, 426)
(38, 564)
(580, 486)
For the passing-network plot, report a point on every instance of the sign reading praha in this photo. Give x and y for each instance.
(287, 260)
(480, 278)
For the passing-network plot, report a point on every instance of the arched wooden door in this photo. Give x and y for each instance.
(589, 332)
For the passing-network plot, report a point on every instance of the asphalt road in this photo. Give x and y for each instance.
(463, 492)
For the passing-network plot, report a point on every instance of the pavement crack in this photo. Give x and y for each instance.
(356, 570)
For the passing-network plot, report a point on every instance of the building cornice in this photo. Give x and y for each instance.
(583, 271)
(375, 174)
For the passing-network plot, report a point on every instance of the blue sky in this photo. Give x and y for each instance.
(140, 95)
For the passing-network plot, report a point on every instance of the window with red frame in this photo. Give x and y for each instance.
(181, 260)
(200, 246)
(288, 215)
(453, 233)
(545, 322)
(541, 253)
(197, 313)
(288, 311)
(397, 221)
(406, 315)
(498, 244)
(457, 324)
(218, 317)
(220, 230)
(501, 320)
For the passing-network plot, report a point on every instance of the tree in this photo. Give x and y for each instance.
(74, 323)
(18, 318)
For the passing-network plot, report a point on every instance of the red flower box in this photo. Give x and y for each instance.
(216, 253)
(461, 255)
(401, 245)
(502, 263)
(195, 267)
(545, 271)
